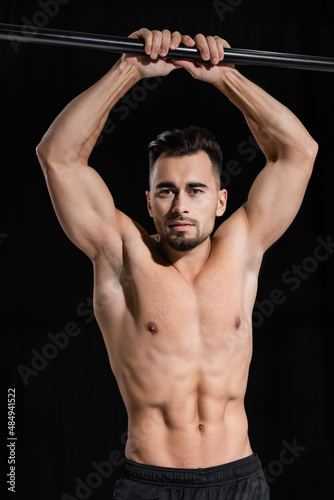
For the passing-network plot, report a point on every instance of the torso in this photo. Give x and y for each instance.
(180, 350)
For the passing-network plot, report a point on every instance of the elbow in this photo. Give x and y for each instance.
(311, 149)
(46, 156)
(42, 155)
(49, 156)
(306, 152)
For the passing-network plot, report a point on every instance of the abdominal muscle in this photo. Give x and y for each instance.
(153, 440)
(185, 400)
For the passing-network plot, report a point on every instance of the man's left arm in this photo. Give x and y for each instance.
(278, 190)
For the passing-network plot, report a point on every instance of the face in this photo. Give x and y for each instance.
(184, 200)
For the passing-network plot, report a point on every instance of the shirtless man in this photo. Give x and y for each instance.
(175, 309)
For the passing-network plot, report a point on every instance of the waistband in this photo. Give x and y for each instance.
(239, 469)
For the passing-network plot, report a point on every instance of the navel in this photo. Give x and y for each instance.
(152, 328)
(200, 427)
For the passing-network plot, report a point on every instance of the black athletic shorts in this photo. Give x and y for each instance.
(239, 480)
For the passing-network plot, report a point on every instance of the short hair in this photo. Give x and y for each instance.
(187, 142)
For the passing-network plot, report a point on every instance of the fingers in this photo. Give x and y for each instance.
(187, 40)
(147, 35)
(161, 43)
(211, 48)
(158, 43)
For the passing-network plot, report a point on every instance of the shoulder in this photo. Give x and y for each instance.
(235, 227)
(234, 234)
(132, 248)
(135, 239)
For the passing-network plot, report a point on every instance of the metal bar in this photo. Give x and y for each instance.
(28, 34)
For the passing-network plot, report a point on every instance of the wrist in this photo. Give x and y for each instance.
(127, 71)
(228, 80)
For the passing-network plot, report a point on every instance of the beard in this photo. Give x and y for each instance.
(182, 242)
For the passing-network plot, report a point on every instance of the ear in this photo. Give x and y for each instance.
(148, 198)
(222, 202)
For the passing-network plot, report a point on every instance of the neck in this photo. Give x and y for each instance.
(188, 263)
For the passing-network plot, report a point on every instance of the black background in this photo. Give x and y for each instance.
(69, 413)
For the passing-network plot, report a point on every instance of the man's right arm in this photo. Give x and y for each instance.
(81, 199)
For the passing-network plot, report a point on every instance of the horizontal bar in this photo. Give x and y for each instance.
(29, 34)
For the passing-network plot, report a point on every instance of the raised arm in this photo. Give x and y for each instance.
(277, 192)
(81, 199)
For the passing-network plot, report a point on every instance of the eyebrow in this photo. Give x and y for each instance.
(189, 185)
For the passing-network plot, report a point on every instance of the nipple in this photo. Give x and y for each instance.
(152, 328)
(237, 323)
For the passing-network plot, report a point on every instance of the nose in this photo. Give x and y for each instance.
(179, 204)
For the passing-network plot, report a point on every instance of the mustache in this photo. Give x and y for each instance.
(187, 220)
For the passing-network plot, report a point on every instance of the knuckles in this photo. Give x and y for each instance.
(157, 37)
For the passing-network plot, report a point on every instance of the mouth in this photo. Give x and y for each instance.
(180, 225)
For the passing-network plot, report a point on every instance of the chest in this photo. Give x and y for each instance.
(165, 304)
(163, 320)
(155, 301)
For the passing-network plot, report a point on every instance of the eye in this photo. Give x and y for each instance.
(165, 192)
(196, 191)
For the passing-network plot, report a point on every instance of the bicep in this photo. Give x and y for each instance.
(84, 207)
(274, 200)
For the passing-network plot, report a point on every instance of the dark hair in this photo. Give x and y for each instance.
(187, 141)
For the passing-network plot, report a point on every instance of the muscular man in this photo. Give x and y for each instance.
(175, 309)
